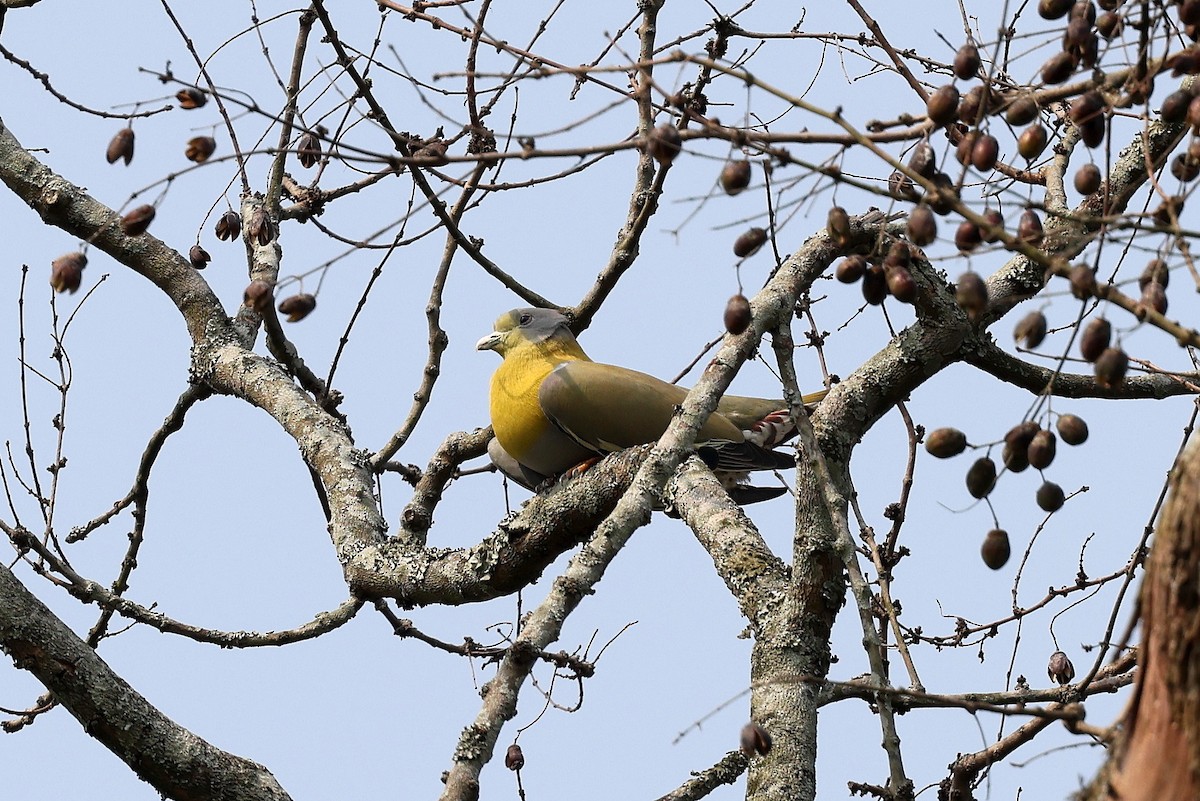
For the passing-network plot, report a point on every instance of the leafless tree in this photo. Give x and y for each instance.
(900, 193)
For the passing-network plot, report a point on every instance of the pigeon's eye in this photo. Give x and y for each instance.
(526, 318)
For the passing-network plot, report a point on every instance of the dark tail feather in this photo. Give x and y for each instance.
(740, 456)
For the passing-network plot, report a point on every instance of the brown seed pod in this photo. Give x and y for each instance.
(755, 740)
(1087, 179)
(1111, 367)
(1060, 670)
(1185, 168)
(1110, 5)
(1054, 9)
(942, 106)
(1157, 271)
(851, 268)
(1042, 449)
(1029, 228)
(1185, 62)
(229, 225)
(514, 757)
(981, 477)
(1050, 497)
(900, 186)
(1175, 106)
(66, 272)
(1083, 9)
(1022, 110)
(297, 307)
(1078, 35)
(1095, 339)
(945, 442)
(260, 227)
(967, 62)
(966, 144)
(120, 147)
(735, 176)
(737, 314)
(1189, 12)
(974, 105)
(1168, 211)
(837, 223)
(663, 143)
(1072, 429)
(1060, 65)
(199, 257)
(1154, 297)
(921, 226)
(970, 292)
(985, 153)
(995, 549)
(942, 199)
(1031, 328)
(258, 296)
(874, 285)
(308, 150)
(749, 242)
(1110, 25)
(137, 220)
(199, 148)
(1015, 460)
(995, 220)
(898, 255)
(1032, 141)
(967, 236)
(1083, 281)
(1092, 131)
(1020, 435)
(190, 98)
(900, 283)
(923, 161)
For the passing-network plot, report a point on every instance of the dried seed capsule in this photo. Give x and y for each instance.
(229, 225)
(137, 220)
(1015, 460)
(190, 98)
(921, 226)
(749, 242)
(199, 257)
(898, 255)
(1022, 110)
(1083, 9)
(1020, 435)
(1087, 179)
(735, 176)
(942, 106)
(1110, 368)
(1175, 106)
(1156, 270)
(1042, 449)
(985, 153)
(995, 549)
(1054, 9)
(258, 296)
(1168, 211)
(1110, 25)
(967, 236)
(1050, 497)
(900, 186)
(1060, 65)
(755, 740)
(260, 228)
(308, 150)
(943, 198)
(737, 314)
(66, 272)
(971, 294)
(1189, 12)
(1078, 36)
(664, 143)
(851, 268)
(874, 285)
(945, 442)
(1031, 328)
(1092, 131)
(1095, 339)
(1154, 297)
(120, 147)
(967, 61)
(1185, 168)
(900, 283)
(974, 105)
(1083, 281)
(996, 222)
(1185, 62)
(1032, 141)
(966, 144)
(1072, 429)
(981, 477)
(1029, 228)
(199, 148)
(837, 223)
(922, 161)
(514, 758)
(297, 307)
(1060, 670)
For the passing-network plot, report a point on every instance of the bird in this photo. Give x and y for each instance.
(554, 411)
